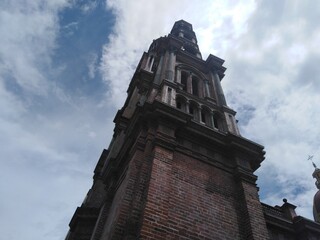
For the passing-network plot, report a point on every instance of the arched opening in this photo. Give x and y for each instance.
(169, 96)
(150, 63)
(187, 36)
(181, 103)
(192, 81)
(215, 123)
(190, 49)
(193, 110)
(195, 88)
(184, 80)
(205, 116)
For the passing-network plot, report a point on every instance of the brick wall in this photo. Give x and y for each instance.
(125, 212)
(189, 199)
(170, 195)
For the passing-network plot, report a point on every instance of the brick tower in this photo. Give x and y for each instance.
(177, 167)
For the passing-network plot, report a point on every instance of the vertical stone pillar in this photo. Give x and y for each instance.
(231, 124)
(221, 99)
(197, 113)
(206, 88)
(211, 123)
(189, 83)
(170, 65)
(178, 75)
(201, 90)
(149, 63)
(187, 106)
(157, 78)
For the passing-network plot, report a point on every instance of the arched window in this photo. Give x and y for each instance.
(192, 81)
(181, 103)
(190, 49)
(215, 123)
(187, 36)
(205, 116)
(195, 88)
(193, 110)
(150, 63)
(184, 80)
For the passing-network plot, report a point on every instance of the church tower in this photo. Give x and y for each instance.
(177, 166)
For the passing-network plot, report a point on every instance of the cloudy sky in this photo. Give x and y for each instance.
(65, 67)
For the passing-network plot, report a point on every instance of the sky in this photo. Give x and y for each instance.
(65, 66)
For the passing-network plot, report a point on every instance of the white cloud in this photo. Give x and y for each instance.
(28, 32)
(47, 163)
(92, 65)
(139, 22)
(49, 139)
(275, 61)
(89, 6)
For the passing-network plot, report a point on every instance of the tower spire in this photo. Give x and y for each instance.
(183, 30)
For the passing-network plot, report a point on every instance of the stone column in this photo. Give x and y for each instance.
(150, 63)
(231, 123)
(206, 88)
(197, 113)
(221, 99)
(178, 75)
(189, 83)
(201, 91)
(187, 106)
(157, 78)
(170, 66)
(211, 123)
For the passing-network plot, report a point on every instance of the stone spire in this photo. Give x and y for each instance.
(183, 30)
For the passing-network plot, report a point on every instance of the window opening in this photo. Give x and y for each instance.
(179, 105)
(203, 117)
(195, 86)
(191, 110)
(150, 63)
(169, 95)
(215, 123)
(184, 77)
(190, 50)
(188, 37)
